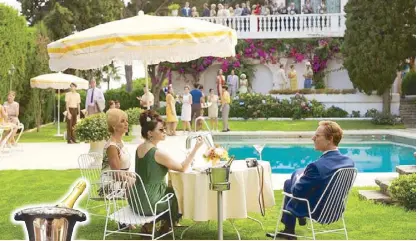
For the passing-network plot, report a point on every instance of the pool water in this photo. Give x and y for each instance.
(368, 157)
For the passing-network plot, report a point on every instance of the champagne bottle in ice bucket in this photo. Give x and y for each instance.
(53, 223)
(70, 200)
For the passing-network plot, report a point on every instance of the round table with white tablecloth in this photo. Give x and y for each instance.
(197, 202)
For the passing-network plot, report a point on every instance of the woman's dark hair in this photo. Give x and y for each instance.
(111, 102)
(210, 90)
(292, 66)
(149, 120)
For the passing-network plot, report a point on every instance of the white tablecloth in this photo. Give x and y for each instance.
(197, 202)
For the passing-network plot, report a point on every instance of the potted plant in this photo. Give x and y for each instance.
(133, 115)
(93, 129)
(174, 9)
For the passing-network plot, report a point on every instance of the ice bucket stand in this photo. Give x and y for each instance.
(219, 181)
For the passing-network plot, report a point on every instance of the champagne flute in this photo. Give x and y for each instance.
(259, 148)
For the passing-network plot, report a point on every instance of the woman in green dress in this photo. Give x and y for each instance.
(152, 165)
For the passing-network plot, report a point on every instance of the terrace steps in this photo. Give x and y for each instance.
(382, 195)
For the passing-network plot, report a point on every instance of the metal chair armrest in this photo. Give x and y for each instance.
(164, 199)
(292, 196)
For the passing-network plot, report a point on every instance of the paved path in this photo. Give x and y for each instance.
(62, 156)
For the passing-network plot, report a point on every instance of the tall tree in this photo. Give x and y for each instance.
(60, 22)
(379, 37)
(35, 10)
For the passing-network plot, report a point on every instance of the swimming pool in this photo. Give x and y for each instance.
(368, 156)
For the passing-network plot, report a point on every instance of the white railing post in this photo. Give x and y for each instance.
(342, 24)
(253, 23)
(334, 23)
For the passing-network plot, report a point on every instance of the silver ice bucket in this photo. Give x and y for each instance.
(50, 223)
(219, 178)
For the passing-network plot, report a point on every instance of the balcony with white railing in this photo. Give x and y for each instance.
(284, 26)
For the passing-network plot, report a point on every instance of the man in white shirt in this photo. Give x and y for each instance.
(147, 99)
(94, 100)
(72, 104)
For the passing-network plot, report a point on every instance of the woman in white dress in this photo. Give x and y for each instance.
(116, 156)
(213, 109)
(186, 109)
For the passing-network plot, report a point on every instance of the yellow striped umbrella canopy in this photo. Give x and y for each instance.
(152, 39)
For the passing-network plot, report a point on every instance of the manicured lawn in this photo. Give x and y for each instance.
(47, 133)
(365, 220)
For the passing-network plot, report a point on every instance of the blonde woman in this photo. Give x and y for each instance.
(5, 125)
(292, 75)
(171, 113)
(12, 109)
(186, 109)
(116, 156)
(213, 110)
(194, 12)
(213, 10)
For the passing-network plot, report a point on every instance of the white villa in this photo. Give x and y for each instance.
(331, 24)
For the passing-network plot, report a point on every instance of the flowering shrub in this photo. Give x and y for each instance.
(268, 51)
(214, 154)
(252, 105)
(92, 128)
(381, 118)
(313, 91)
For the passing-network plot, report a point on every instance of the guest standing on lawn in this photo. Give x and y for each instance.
(198, 99)
(225, 108)
(147, 99)
(94, 96)
(171, 113)
(213, 110)
(72, 105)
(186, 109)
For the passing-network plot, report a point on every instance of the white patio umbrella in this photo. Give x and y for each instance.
(57, 81)
(151, 39)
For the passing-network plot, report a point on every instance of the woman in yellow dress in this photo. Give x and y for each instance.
(292, 75)
(171, 113)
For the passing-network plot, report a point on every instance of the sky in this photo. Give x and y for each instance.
(138, 68)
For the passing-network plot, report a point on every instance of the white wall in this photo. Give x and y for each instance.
(339, 79)
(262, 82)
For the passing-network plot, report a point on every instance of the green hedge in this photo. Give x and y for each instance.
(25, 48)
(408, 86)
(265, 106)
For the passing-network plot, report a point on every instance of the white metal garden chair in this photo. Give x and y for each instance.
(333, 200)
(130, 210)
(90, 165)
(17, 146)
(3, 144)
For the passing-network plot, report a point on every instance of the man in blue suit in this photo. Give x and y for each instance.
(311, 182)
(186, 11)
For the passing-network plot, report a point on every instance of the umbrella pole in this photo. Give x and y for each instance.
(59, 123)
(146, 78)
